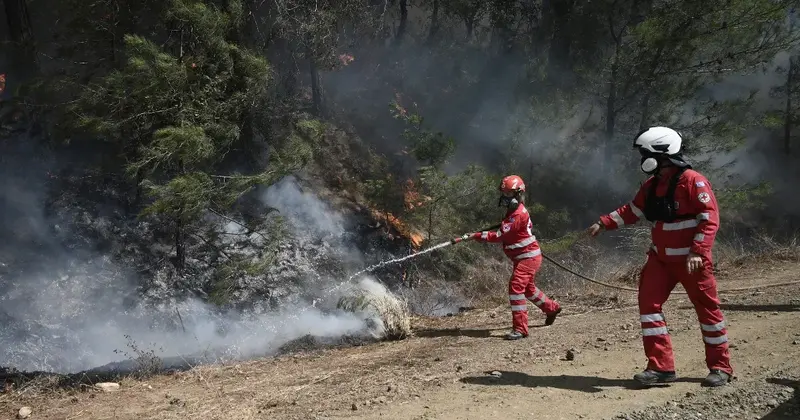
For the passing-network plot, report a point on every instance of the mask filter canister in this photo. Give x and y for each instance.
(649, 165)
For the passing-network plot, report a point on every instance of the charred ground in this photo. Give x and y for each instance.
(460, 367)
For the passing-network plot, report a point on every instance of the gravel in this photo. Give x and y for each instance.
(775, 397)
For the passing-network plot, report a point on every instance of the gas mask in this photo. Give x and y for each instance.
(648, 164)
(508, 202)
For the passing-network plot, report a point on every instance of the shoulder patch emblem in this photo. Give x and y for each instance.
(704, 197)
(506, 227)
(700, 184)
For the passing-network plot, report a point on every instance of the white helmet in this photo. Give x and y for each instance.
(659, 141)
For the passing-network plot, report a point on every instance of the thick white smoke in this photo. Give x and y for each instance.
(75, 311)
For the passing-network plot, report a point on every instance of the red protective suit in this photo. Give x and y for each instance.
(521, 247)
(666, 266)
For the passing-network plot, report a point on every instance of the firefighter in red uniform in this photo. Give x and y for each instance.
(521, 247)
(680, 202)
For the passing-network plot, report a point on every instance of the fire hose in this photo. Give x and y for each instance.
(631, 289)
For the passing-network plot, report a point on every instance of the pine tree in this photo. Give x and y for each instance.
(178, 110)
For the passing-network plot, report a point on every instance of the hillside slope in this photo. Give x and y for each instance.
(450, 371)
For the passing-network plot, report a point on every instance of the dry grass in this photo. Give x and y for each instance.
(484, 282)
(736, 252)
(390, 314)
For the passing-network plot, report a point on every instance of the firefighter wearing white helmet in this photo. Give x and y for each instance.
(659, 144)
(682, 206)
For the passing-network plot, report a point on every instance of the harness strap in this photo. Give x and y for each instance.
(669, 197)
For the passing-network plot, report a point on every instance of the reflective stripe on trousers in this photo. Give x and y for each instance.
(646, 332)
(714, 328)
(538, 297)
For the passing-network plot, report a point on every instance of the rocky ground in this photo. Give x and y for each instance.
(458, 367)
(776, 397)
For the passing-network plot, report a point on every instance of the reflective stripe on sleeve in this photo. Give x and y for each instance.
(617, 218)
(636, 210)
(676, 251)
(523, 243)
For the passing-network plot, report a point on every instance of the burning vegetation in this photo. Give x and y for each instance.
(395, 227)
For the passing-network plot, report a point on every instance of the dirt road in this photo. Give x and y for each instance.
(459, 368)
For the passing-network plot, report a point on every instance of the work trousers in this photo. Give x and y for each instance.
(522, 288)
(657, 280)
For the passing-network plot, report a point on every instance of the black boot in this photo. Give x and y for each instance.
(552, 317)
(650, 377)
(515, 335)
(716, 378)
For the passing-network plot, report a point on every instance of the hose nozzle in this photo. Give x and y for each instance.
(463, 237)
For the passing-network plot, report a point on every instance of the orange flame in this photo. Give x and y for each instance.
(414, 237)
(412, 198)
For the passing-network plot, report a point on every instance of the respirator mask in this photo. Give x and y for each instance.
(649, 163)
(507, 202)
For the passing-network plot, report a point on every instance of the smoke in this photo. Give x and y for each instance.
(761, 158)
(307, 214)
(55, 331)
(68, 307)
(482, 98)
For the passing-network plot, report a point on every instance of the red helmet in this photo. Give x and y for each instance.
(512, 184)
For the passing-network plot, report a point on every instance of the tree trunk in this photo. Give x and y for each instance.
(430, 221)
(316, 93)
(502, 31)
(23, 51)
(530, 168)
(286, 68)
(180, 245)
(401, 29)
(561, 41)
(611, 114)
(434, 22)
(125, 25)
(137, 197)
(18, 19)
(787, 125)
(645, 117)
